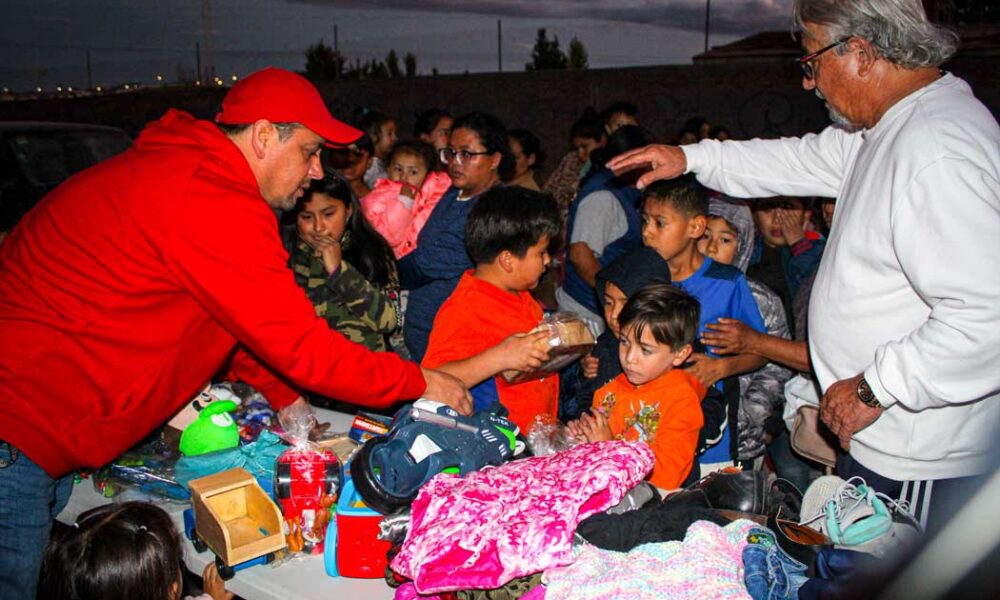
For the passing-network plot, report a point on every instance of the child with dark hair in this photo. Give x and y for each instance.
(602, 225)
(480, 331)
(120, 552)
(352, 162)
(400, 205)
(585, 135)
(674, 218)
(344, 266)
(381, 130)
(528, 155)
(433, 126)
(652, 401)
(619, 114)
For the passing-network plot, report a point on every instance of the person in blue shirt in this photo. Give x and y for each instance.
(477, 155)
(674, 216)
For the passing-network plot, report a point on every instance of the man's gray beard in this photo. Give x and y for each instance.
(839, 120)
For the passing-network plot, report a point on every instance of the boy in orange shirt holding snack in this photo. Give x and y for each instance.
(480, 330)
(652, 401)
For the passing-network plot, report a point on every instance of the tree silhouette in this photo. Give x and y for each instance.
(392, 64)
(546, 54)
(410, 64)
(323, 62)
(577, 55)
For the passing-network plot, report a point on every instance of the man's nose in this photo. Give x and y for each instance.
(315, 167)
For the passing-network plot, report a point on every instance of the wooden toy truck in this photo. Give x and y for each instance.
(234, 517)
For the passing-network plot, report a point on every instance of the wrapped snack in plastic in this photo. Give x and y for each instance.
(548, 436)
(569, 340)
(307, 480)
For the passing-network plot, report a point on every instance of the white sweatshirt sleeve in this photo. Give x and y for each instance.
(812, 165)
(946, 234)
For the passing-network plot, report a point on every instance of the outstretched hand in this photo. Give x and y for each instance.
(447, 389)
(663, 162)
(729, 336)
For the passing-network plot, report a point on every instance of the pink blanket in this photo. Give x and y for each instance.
(501, 523)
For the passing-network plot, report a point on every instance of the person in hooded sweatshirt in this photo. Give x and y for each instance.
(131, 285)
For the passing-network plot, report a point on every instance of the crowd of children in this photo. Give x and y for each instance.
(434, 247)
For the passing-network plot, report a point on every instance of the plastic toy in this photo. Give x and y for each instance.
(213, 430)
(233, 516)
(352, 547)
(428, 438)
(306, 484)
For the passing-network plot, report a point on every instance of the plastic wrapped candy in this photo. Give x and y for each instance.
(548, 436)
(569, 340)
(307, 480)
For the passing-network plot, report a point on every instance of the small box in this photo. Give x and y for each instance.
(352, 545)
(367, 425)
(234, 516)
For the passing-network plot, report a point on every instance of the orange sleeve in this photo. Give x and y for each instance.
(676, 437)
(457, 334)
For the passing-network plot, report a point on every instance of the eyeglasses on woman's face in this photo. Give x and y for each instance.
(460, 157)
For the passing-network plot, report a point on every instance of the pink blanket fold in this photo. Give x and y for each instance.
(494, 525)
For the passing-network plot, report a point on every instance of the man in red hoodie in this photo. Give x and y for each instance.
(128, 287)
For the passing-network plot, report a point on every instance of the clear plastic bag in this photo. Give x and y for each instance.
(569, 340)
(548, 436)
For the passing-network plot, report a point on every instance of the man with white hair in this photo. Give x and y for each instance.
(903, 317)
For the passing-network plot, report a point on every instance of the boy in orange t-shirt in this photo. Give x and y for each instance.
(651, 401)
(480, 330)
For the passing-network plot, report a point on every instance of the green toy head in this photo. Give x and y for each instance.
(213, 430)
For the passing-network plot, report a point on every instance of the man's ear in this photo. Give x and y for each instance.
(682, 355)
(697, 226)
(867, 55)
(263, 135)
(495, 159)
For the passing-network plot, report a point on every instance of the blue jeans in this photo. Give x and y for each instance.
(29, 500)
(768, 572)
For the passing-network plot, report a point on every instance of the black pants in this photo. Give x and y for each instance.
(932, 502)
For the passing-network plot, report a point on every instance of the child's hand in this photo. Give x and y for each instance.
(589, 364)
(791, 228)
(523, 351)
(729, 336)
(213, 584)
(328, 248)
(575, 431)
(408, 190)
(594, 427)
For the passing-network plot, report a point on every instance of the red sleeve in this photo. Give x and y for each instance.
(223, 247)
(278, 392)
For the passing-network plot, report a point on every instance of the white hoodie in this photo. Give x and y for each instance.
(908, 290)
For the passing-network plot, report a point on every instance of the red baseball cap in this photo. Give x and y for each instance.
(281, 96)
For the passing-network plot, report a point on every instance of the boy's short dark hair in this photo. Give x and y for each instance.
(509, 218)
(670, 313)
(684, 194)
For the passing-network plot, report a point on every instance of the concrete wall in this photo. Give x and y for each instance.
(752, 99)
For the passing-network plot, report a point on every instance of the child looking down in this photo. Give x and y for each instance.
(652, 401)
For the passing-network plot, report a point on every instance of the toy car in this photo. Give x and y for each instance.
(232, 515)
(306, 483)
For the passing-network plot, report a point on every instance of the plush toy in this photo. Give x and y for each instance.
(213, 430)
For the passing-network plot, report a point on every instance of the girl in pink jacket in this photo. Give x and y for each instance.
(399, 206)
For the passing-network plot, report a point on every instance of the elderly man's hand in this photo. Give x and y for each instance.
(843, 412)
(447, 389)
(664, 162)
(704, 368)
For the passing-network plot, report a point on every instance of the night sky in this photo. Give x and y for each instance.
(45, 42)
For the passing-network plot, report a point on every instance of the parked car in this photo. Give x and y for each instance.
(37, 156)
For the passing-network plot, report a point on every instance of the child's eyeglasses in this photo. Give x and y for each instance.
(460, 157)
(806, 61)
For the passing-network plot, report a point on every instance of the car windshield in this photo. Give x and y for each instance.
(48, 157)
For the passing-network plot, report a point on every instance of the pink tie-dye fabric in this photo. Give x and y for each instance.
(494, 525)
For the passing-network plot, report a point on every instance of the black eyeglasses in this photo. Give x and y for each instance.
(806, 61)
(459, 156)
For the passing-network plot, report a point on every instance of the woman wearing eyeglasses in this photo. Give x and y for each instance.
(477, 156)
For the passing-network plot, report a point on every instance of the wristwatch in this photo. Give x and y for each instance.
(866, 395)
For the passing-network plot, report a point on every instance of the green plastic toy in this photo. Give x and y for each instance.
(214, 430)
